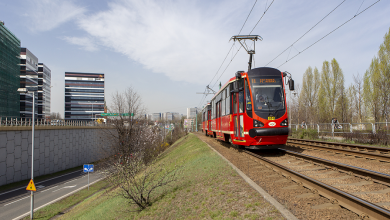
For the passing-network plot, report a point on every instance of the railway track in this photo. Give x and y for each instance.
(362, 191)
(314, 181)
(380, 154)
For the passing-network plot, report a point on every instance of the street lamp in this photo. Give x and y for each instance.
(92, 109)
(25, 91)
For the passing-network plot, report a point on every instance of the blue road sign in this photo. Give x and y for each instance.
(88, 168)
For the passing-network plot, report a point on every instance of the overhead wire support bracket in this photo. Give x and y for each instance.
(241, 39)
(208, 91)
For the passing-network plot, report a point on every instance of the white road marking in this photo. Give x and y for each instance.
(27, 213)
(39, 182)
(40, 186)
(57, 190)
(17, 200)
(66, 187)
(48, 189)
(71, 181)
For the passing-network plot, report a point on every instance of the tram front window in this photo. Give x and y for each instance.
(268, 97)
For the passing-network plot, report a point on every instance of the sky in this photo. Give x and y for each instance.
(168, 50)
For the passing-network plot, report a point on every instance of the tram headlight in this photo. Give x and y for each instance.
(257, 123)
(284, 122)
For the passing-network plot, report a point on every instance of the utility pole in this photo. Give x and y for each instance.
(196, 119)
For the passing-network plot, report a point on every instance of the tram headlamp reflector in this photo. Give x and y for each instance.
(284, 122)
(257, 124)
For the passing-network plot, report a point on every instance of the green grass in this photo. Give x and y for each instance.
(202, 191)
(59, 207)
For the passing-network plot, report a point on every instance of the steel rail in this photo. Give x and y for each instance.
(383, 150)
(361, 207)
(375, 176)
(357, 153)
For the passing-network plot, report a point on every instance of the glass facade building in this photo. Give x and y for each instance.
(29, 80)
(44, 91)
(9, 73)
(84, 95)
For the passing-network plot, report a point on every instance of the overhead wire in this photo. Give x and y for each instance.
(261, 17)
(233, 43)
(305, 33)
(204, 96)
(329, 33)
(240, 47)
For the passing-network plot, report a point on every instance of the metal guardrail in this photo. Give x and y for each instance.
(365, 127)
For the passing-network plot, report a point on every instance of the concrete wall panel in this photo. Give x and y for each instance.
(55, 150)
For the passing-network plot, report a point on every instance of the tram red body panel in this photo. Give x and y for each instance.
(233, 111)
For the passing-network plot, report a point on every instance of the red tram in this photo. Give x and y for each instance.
(250, 109)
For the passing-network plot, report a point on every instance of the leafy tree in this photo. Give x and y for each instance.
(384, 68)
(372, 89)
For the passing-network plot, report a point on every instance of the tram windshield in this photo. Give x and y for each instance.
(267, 93)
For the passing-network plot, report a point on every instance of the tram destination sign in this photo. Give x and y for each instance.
(117, 114)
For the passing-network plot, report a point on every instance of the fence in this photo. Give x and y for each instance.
(341, 128)
(43, 122)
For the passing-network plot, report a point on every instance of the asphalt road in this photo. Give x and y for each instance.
(15, 204)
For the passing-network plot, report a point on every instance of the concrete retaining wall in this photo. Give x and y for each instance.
(55, 150)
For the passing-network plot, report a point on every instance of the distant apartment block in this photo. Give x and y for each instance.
(191, 112)
(9, 73)
(29, 80)
(156, 116)
(167, 116)
(176, 116)
(44, 91)
(84, 95)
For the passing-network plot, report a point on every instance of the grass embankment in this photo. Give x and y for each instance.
(207, 188)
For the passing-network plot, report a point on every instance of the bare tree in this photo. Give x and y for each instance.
(132, 151)
(359, 96)
(55, 115)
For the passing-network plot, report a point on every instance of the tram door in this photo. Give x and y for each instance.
(208, 119)
(219, 118)
(238, 114)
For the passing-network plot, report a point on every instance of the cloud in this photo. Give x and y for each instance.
(180, 39)
(45, 15)
(85, 43)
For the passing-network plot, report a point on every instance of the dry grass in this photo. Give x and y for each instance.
(208, 189)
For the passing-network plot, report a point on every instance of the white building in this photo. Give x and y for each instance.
(191, 112)
(156, 116)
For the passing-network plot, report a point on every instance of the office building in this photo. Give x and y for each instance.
(9, 73)
(29, 80)
(191, 112)
(44, 91)
(84, 95)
